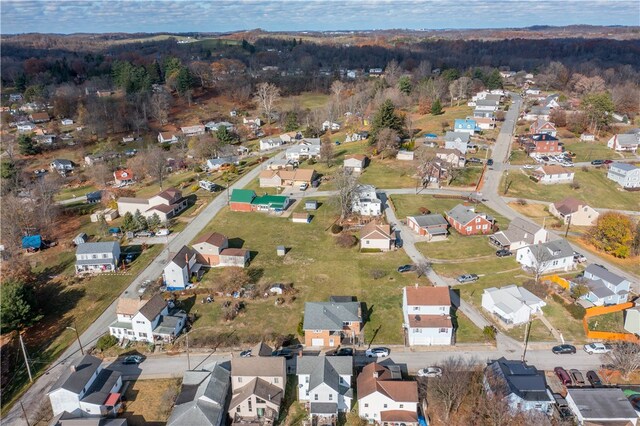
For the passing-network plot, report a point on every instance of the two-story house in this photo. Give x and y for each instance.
(213, 250)
(366, 202)
(147, 320)
(305, 149)
(541, 126)
(467, 125)
(520, 233)
(324, 386)
(541, 144)
(576, 212)
(258, 385)
(456, 140)
(167, 137)
(166, 204)
(426, 312)
(467, 221)
(487, 105)
(605, 287)
(451, 156)
(384, 398)
(624, 174)
(270, 143)
(97, 257)
(524, 386)
(556, 255)
(87, 390)
(182, 267)
(624, 142)
(326, 324)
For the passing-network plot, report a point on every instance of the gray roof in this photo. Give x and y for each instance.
(627, 167)
(511, 298)
(180, 258)
(330, 315)
(428, 220)
(628, 139)
(523, 380)
(75, 381)
(518, 230)
(323, 408)
(604, 274)
(94, 261)
(551, 250)
(202, 399)
(463, 214)
(153, 307)
(101, 386)
(599, 288)
(67, 419)
(540, 110)
(452, 136)
(260, 388)
(602, 403)
(325, 369)
(486, 102)
(97, 248)
(258, 366)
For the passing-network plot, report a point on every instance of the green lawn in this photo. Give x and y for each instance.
(613, 322)
(595, 189)
(389, 173)
(459, 247)
(518, 156)
(538, 333)
(466, 331)
(560, 318)
(433, 123)
(68, 193)
(587, 151)
(311, 100)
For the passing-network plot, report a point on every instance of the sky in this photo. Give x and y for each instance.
(86, 16)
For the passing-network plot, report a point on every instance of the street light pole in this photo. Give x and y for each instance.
(26, 360)
(77, 336)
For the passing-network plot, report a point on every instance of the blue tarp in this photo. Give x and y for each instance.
(114, 230)
(431, 136)
(32, 242)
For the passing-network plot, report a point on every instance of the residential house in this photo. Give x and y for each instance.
(167, 137)
(451, 156)
(404, 155)
(541, 126)
(427, 316)
(95, 197)
(587, 137)
(554, 174)
(97, 257)
(326, 324)
(305, 149)
(196, 130)
(258, 385)
(366, 202)
(547, 257)
(15, 97)
(215, 164)
(212, 250)
(487, 105)
(245, 200)
(290, 137)
(520, 233)
(624, 142)
(66, 122)
(512, 304)
(213, 126)
(61, 166)
(270, 143)
(625, 174)
(532, 91)
(181, 269)
(107, 214)
(538, 112)
(601, 406)
(252, 122)
(280, 178)
(432, 226)
(86, 389)
(485, 121)
(551, 101)
(358, 136)
(605, 287)
(355, 162)
(39, 117)
(632, 320)
(46, 139)
(166, 204)
(324, 386)
(467, 221)
(384, 398)
(147, 320)
(467, 125)
(203, 398)
(377, 237)
(456, 140)
(25, 127)
(541, 144)
(123, 177)
(301, 218)
(66, 419)
(525, 386)
(574, 211)
(330, 125)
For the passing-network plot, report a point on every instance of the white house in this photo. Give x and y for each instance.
(167, 137)
(576, 212)
(366, 202)
(404, 155)
(625, 142)
(451, 156)
(456, 140)
(325, 384)
(546, 257)
(214, 164)
(487, 105)
(25, 127)
(213, 126)
(180, 269)
(553, 174)
(512, 304)
(532, 91)
(587, 137)
(258, 384)
(270, 143)
(166, 204)
(86, 389)
(520, 233)
(384, 398)
(97, 257)
(601, 406)
(307, 148)
(66, 122)
(426, 312)
(147, 320)
(605, 287)
(196, 130)
(355, 162)
(377, 237)
(330, 125)
(625, 174)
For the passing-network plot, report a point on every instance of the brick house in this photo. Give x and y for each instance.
(326, 324)
(467, 221)
(541, 144)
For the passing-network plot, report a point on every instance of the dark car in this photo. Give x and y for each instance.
(130, 257)
(577, 377)
(341, 352)
(562, 375)
(132, 359)
(634, 399)
(489, 162)
(593, 378)
(288, 354)
(503, 253)
(563, 349)
(245, 354)
(406, 268)
(597, 162)
(608, 161)
(562, 406)
(474, 160)
(315, 183)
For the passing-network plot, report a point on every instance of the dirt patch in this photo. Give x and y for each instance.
(150, 401)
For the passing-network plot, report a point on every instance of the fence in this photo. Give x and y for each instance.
(558, 280)
(607, 335)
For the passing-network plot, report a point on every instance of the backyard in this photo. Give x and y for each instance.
(150, 401)
(612, 322)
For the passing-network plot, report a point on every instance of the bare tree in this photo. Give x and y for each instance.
(392, 72)
(346, 184)
(464, 86)
(100, 174)
(326, 151)
(624, 357)
(453, 91)
(423, 70)
(423, 268)
(541, 260)
(152, 162)
(387, 142)
(427, 166)
(337, 89)
(266, 96)
(44, 191)
(449, 390)
(160, 104)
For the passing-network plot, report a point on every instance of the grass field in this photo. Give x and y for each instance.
(595, 189)
(150, 401)
(434, 123)
(588, 151)
(538, 333)
(466, 331)
(613, 322)
(310, 100)
(570, 328)
(459, 247)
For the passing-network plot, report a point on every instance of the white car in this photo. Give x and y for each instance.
(377, 352)
(527, 166)
(430, 372)
(596, 348)
(162, 232)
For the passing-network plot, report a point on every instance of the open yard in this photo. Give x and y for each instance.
(149, 402)
(570, 327)
(631, 264)
(435, 123)
(613, 322)
(462, 248)
(595, 189)
(588, 151)
(538, 333)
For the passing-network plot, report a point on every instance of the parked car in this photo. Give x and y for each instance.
(593, 378)
(304, 186)
(377, 352)
(634, 399)
(562, 375)
(528, 166)
(467, 278)
(503, 253)
(132, 359)
(490, 162)
(130, 257)
(406, 268)
(144, 234)
(341, 352)
(563, 349)
(577, 376)
(430, 372)
(579, 257)
(597, 162)
(285, 352)
(596, 348)
(162, 232)
(608, 161)
(245, 354)
(562, 406)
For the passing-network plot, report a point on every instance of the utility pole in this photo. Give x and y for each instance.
(568, 225)
(188, 359)
(26, 418)
(26, 360)
(526, 341)
(75, 328)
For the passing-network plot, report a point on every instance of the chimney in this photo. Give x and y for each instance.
(416, 285)
(375, 374)
(186, 258)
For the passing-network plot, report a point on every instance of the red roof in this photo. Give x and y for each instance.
(124, 174)
(112, 399)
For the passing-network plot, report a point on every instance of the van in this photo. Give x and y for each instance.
(162, 232)
(304, 186)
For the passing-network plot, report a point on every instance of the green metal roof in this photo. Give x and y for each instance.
(273, 201)
(242, 196)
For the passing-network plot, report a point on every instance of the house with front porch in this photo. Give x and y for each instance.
(624, 142)
(166, 204)
(467, 125)
(605, 287)
(246, 200)
(550, 175)
(324, 386)
(305, 149)
(520, 233)
(556, 255)
(456, 140)
(366, 202)
(467, 221)
(576, 212)
(541, 126)
(212, 250)
(326, 324)
(97, 257)
(624, 174)
(512, 304)
(427, 319)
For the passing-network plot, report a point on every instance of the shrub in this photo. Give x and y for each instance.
(336, 229)
(376, 274)
(346, 240)
(489, 333)
(575, 185)
(301, 327)
(576, 311)
(424, 210)
(585, 169)
(522, 202)
(105, 342)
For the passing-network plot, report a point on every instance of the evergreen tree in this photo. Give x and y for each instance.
(225, 136)
(18, 306)
(404, 84)
(291, 121)
(386, 117)
(436, 107)
(154, 221)
(128, 223)
(139, 221)
(494, 80)
(27, 145)
(184, 81)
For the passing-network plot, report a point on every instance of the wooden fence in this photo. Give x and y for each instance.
(607, 335)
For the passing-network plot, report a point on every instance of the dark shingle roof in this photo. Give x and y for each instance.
(181, 257)
(602, 403)
(75, 381)
(604, 274)
(330, 315)
(153, 307)
(325, 369)
(523, 380)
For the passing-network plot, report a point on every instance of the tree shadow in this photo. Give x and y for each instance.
(255, 274)
(191, 200)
